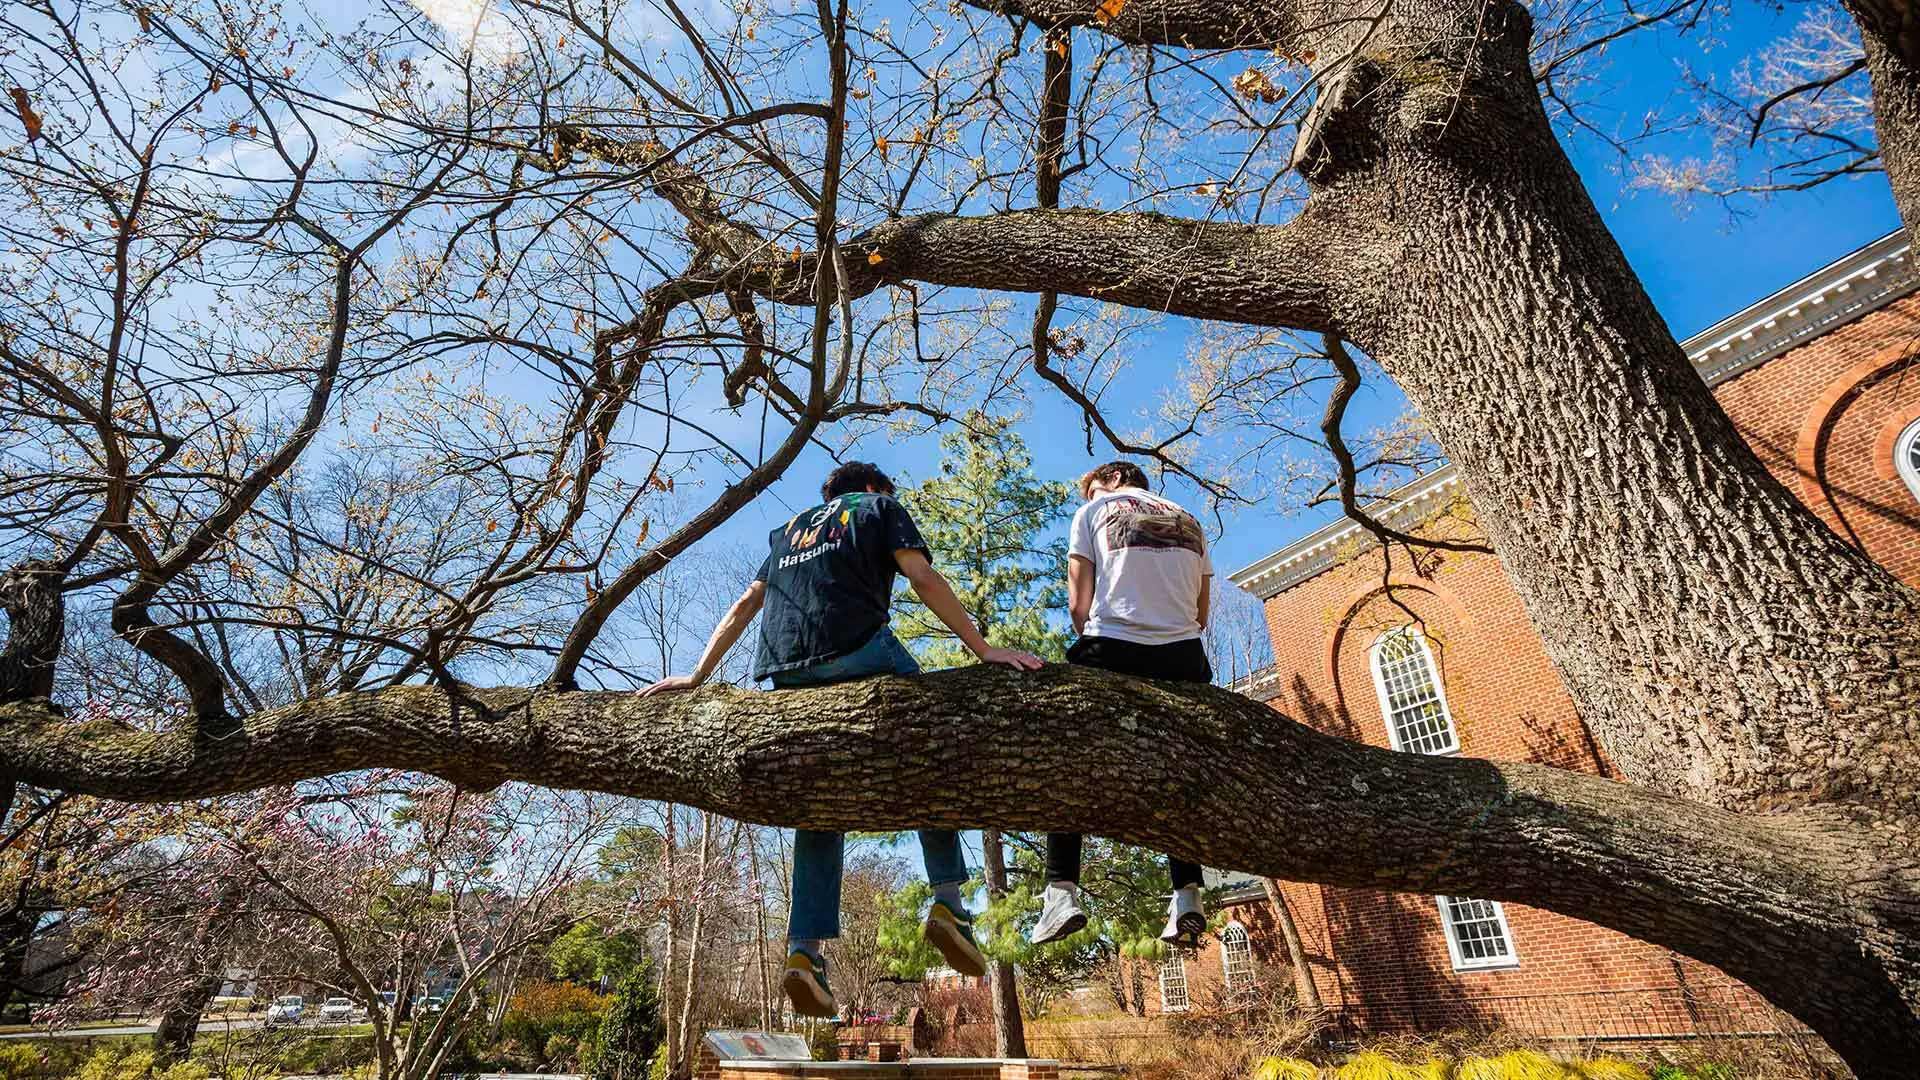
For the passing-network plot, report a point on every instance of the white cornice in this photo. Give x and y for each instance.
(1843, 290)
(1839, 292)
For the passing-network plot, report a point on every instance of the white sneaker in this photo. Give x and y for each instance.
(1185, 921)
(1061, 917)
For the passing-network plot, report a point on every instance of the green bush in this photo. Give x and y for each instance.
(1706, 1071)
(627, 1043)
(185, 1070)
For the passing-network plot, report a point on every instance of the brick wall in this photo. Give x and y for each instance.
(1823, 418)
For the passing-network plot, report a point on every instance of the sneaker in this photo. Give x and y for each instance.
(1185, 921)
(805, 983)
(1061, 917)
(953, 936)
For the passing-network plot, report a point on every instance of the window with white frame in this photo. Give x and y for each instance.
(1906, 457)
(1236, 956)
(1173, 983)
(1476, 933)
(1411, 697)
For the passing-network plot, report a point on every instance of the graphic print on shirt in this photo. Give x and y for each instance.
(1149, 523)
(806, 542)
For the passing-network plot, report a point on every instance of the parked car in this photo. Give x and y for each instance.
(336, 1010)
(286, 1009)
(430, 1006)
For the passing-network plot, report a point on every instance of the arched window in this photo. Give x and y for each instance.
(1236, 956)
(1906, 457)
(1477, 935)
(1173, 983)
(1411, 697)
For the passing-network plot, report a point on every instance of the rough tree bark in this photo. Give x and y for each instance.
(1810, 907)
(1720, 641)
(1890, 35)
(36, 620)
(1009, 1027)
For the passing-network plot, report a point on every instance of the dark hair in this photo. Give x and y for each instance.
(855, 476)
(1124, 473)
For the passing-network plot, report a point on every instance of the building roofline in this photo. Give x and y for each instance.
(1862, 281)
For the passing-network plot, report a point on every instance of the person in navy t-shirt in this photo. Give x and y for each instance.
(824, 595)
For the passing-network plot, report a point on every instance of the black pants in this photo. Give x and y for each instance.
(1185, 661)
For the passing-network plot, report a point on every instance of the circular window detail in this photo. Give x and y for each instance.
(1906, 457)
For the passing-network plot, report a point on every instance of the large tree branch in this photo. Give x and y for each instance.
(1070, 749)
(1197, 24)
(1266, 275)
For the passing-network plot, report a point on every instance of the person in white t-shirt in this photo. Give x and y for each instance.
(1137, 580)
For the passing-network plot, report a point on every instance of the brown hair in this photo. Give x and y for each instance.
(1124, 473)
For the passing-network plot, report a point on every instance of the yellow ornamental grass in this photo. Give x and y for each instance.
(1515, 1065)
(1371, 1066)
(1275, 1068)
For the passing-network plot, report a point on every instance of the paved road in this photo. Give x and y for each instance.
(210, 1024)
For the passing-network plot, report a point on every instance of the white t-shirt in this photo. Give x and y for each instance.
(1150, 562)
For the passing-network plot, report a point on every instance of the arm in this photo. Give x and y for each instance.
(933, 591)
(732, 625)
(1080, 591)
(1206, 598)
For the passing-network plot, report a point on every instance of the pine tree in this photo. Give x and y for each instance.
(985, 518)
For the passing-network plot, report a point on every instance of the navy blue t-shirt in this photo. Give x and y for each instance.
(829, 575)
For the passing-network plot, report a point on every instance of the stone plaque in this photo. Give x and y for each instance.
(758, 1046)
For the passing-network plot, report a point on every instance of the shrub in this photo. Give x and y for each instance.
(628, 1040)
(553, 1016)
(185, 1070)
(18, 1062)
(1704, 1071)
(116, 1063)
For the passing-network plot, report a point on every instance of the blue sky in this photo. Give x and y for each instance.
(1698, 262)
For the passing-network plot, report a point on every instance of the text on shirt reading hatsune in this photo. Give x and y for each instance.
(805, 556)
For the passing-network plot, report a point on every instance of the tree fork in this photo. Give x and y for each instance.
(1817, 909)
(1718, 638)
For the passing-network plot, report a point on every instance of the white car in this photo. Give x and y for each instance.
(287, 1009)
(336, 1010)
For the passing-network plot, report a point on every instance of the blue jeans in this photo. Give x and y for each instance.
(817, 856)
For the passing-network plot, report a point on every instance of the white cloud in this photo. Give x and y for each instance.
(476, 26)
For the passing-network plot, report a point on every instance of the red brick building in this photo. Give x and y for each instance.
(1822, 380)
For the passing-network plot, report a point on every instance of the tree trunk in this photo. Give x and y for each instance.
(683, 1065)
(759, 929)
(1710, 628)
(1303, 986)
(1890, 35)
(36, 625)
(1817, 908)
(1009, 1027)
(180, 1021)
(667, 1018)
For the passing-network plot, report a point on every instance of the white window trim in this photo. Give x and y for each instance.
(1186, 992)
(1439, 688)
(1226, 961)
(1903, 458)
(1461, 963)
